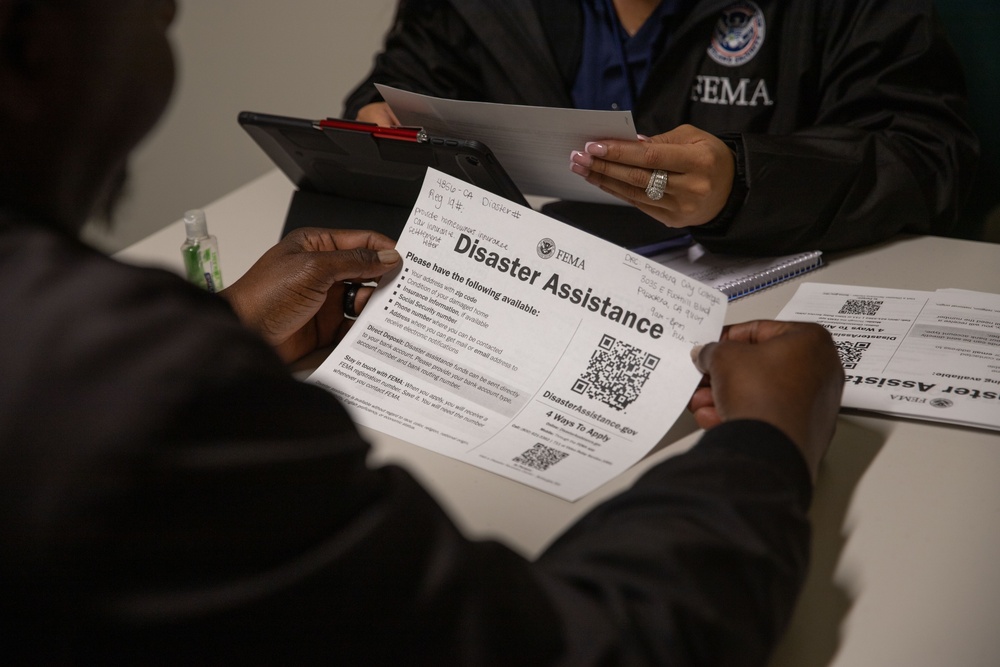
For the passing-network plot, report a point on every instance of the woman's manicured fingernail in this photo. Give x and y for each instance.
(642, 137)
(579, 169)
(596, 148)
(581, 158)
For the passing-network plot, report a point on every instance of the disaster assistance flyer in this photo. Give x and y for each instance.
(927, 355)
(521, 345)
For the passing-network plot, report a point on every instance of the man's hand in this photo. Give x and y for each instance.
(699, 166)
(293, 296)
(785, 373)
(378, 113)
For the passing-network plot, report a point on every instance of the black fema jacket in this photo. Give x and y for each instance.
(847, 116)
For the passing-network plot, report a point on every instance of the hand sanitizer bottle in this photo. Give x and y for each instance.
(201, 253)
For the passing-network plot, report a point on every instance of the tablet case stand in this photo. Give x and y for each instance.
(315, 209)
(625, 226)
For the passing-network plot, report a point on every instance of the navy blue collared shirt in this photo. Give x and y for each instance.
(601, 82)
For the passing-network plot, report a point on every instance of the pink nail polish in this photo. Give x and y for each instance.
(579, 169)
(579, 157)
(595, 148)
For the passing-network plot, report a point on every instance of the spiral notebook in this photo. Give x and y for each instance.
(738, 275)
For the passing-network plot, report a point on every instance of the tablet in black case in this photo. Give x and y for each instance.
(370, 181)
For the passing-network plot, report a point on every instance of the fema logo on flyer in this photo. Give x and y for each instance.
(546, 248)
(738, 34)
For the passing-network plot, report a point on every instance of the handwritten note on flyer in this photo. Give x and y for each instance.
(521, 345)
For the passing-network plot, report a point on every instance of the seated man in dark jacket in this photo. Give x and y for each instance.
(778, 125)
(171, 495)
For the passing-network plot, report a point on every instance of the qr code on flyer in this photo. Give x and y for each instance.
(540, 457)
(851, 353)
(616, 373)
(860, 307)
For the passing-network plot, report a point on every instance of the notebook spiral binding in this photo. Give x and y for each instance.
(788, 269)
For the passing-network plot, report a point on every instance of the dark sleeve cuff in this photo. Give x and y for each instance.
(764, 443)
(739, 459)
(737, 195)
(361, 97)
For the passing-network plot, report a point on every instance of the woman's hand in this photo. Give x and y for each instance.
(378, 113)
(698, 165)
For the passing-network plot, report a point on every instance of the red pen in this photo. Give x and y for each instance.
(416, 134)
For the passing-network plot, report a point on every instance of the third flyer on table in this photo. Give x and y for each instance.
(930, 355)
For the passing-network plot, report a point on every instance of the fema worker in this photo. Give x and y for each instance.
(773, 125)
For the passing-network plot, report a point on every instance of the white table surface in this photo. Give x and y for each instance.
(906, 544)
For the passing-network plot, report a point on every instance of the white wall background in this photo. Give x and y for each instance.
(288, 57)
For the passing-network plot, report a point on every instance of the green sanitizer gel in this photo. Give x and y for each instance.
(201, 253)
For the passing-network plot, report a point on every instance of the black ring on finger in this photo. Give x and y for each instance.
(350, 294)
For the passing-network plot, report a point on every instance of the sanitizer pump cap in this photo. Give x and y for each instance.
(195, 225)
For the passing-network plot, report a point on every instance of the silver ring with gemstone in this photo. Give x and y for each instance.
(657, 184)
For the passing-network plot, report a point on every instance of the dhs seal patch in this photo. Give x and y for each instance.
(738, 34)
